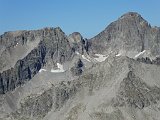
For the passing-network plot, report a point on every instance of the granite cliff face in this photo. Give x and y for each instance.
(129, 35)
(47, 75)
(53, 46)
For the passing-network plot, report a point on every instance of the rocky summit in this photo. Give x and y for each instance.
(47, 75)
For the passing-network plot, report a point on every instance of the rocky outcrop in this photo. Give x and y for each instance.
(54, 47)
(147, 60)
(77, 69)
(78, 43)
(135, 93)
(36, 106)
(16, 45)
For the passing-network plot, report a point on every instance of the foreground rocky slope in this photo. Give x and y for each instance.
(113, 76)
(99, 94)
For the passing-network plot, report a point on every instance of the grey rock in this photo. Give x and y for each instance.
(147, 60)
(135, 93)
(77, 69)
(53, 48)
(130, 33)
(35, 107)
(16, 45)
(78, 43)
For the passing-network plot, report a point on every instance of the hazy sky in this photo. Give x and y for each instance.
(88, 17)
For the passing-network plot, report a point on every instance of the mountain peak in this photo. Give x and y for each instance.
(58, 28)
(130, 32)
(75, 37)
(131, 15)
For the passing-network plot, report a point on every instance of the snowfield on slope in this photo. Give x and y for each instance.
(60, 68)
(41, 70)
(140, 54)
(101, 57)
(85, 58)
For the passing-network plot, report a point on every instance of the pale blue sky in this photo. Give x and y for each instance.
(88, 17)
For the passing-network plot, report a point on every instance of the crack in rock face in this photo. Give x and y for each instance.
(135, 93)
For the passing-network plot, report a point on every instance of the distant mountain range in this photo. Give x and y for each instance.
(47, 75)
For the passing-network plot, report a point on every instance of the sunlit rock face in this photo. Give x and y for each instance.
(53, 46)
(130, 34)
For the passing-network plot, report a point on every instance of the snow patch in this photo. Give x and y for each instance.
(85, 58)
(60, 68)
(16, 44)
(118, 54)
(100, 58)
(139, 54)
(41, 70)
(77, 53)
